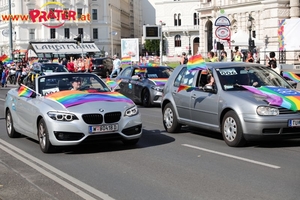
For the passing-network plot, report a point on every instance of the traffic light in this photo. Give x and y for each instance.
(78, 39)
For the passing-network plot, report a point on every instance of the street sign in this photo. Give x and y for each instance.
(223, 32)
(222, 21)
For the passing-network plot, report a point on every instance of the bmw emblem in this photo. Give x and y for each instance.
(101, 110)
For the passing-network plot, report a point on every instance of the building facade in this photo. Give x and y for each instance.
(105, 23)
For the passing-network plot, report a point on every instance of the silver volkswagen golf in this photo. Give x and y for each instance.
(241, 100)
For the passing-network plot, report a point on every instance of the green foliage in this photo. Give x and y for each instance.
(152, 45)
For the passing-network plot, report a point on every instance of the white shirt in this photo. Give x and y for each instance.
(117, 63)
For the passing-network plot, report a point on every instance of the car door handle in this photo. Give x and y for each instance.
(175, 92)
(194, 96)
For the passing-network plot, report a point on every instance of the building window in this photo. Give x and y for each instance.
(95, 33)
(175, 19)
(177, 41)
(31, 34)
(66, 12)
(179, 19)
(79, 13)
(67, 33)
(52, 33)
(196, 18)
(80, 31)
(94, 14)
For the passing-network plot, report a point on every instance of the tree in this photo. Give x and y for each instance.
(152, 46)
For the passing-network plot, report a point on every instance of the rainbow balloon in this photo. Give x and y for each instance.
(278, 96)
(24, 91)
(292, 76)
(71, 98)
(196, 63)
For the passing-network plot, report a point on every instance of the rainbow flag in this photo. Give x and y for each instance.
(159, 81)
(140, 70)
(3, 57)
(152, 65)
(55, 60)
(292, 76)
(69, 98)
(278, 96)
(126, 60)
(24, 91)
(111, 83)
(185, 87)
(196, 62)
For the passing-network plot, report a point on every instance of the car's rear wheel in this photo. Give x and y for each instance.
(43, 136)
(146, 98)
(232, 130)
(130, 142)
(11, 132)
(170, 120)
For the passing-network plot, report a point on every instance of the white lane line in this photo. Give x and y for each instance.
(2, 99)
(65, 184)
(234, 157)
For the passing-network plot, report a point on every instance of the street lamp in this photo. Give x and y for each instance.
(249, 26)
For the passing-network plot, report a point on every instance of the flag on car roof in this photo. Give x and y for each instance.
(292, 76)
(196, 62)
(24, 91)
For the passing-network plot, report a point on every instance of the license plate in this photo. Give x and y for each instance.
(294, 122)
(103, 128)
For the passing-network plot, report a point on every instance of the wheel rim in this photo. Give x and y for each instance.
(230, 129)
(168, 117)
(146, 98)
(42, 136)
(8, 123)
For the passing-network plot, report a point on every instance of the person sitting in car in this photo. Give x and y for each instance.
(76, 83)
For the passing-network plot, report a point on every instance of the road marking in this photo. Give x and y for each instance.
(25, 158)
(231, 156)
(2, 99)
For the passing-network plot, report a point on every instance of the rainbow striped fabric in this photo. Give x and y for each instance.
(24, 91)
(186, 87)
(126, 60)
(292, 76)
(140, 70)
(159, 81)
(111, 83)
(71, 98)
(5, 59)
(278, 96)
(196, 62)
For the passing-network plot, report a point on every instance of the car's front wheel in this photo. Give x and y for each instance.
(43, 136)
(170, 120)
(146, 98)
(232, 130)
(11, 132)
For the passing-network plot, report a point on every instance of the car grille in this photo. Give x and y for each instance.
(98, 118)
(112, 117)
(283, 111)
(92, 118)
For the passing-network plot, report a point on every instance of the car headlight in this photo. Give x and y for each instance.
(62, 116)
(266, 110)
(131, 111)
(157, 88)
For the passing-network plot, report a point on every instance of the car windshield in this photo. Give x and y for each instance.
(70, 81)
(40, 68)
(233, 77)
(158, 72)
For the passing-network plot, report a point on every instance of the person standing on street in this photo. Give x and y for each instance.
(116, 66)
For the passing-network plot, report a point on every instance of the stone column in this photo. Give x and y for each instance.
(295, 9)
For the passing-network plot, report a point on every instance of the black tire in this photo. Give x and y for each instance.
(170, 120)
(146, 98)
(43, 137)
(232, 130)
(130, 142)
(11, 132)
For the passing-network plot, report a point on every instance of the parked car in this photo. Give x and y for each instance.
(247, 101)
(102, 66)
(143, 84)
(56, 115)
(44, 68)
